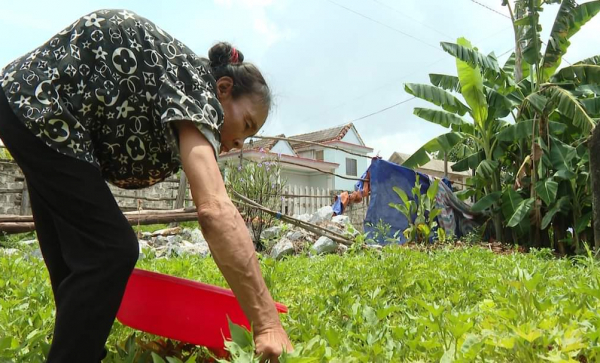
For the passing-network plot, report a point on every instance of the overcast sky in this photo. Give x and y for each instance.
(328, 62)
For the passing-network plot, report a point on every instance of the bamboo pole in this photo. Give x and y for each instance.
(302, 224)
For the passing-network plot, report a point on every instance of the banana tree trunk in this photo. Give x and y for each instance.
(594, 146)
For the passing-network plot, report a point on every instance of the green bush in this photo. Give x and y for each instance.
(260, 181)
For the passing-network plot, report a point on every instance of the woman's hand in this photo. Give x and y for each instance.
(270, 344)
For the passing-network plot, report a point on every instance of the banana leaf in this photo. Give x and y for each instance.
(569, 19)
(437, 96)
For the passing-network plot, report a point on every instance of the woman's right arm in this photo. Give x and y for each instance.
(229, 240)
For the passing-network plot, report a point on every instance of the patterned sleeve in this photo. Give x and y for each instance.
(186, 95)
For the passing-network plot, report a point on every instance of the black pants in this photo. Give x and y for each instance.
(88, 246)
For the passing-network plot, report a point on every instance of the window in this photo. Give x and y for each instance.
(350, 166)
(319, 155)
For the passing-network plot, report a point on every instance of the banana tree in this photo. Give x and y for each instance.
(594, 149)
(567, 96)
(484, 86)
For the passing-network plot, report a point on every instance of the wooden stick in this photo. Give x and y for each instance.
(305, 225)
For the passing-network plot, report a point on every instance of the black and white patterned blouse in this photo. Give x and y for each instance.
(105, 90)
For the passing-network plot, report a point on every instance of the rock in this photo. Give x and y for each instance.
(201, 249)
(271, 232)
(303, 217)
(186, 234)
(341, 220)
(146, 235)
(324, 214)
(342, 248)
(167, 232)
(294, 236)
(159, 241)
(9, 251)
(174, 240)
(143, 245)
(183, 247)
(196, 236)
(37, 253)
(335, 228)
(324, 245)
(282, 248)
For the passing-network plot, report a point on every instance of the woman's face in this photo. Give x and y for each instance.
(244, 116)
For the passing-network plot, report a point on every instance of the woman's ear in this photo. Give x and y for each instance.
(224, 88)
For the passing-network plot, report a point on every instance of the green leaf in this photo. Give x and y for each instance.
(583, 222)
(433, 189)
(509, 66)
(592, 60)
(499, 106)
(569, 19)
(579, 74)
(561, 154)
(564, 174)
(467, 54)
(402, 195)
(521, 213)
(523, 130)
(443, 118)
(533, 43)
(569, 106)
(547, 189)
(537, 101)
(487, 168)
(486, 202)
(592, 106)
(472, 85)
(443, 142)
(240, 335)
(437, 96)
(469, 162)
(449, 83)
(157, 359)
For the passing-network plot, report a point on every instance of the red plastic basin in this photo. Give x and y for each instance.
(181, 309)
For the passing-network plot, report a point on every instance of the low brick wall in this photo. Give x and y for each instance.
(10, 203)
(357, 213)
(162, 194)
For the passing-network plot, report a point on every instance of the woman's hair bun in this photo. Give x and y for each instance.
(222, 54)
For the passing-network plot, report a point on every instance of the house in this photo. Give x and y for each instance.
(302, 162)
(435, 168)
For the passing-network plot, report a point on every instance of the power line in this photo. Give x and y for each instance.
(384, 109)
(370, 91)
(413, 19)
(385, 25)
(491, 9)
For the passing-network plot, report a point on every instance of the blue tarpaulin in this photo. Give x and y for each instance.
(384, 176)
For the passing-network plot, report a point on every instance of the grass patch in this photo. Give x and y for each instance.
(400, 305)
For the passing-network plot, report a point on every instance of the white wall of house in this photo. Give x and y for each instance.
(309, 154)
(321, 181)
(312, 180)
(284, 148)
(351, 137)
(336, 156)
(295, 178)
